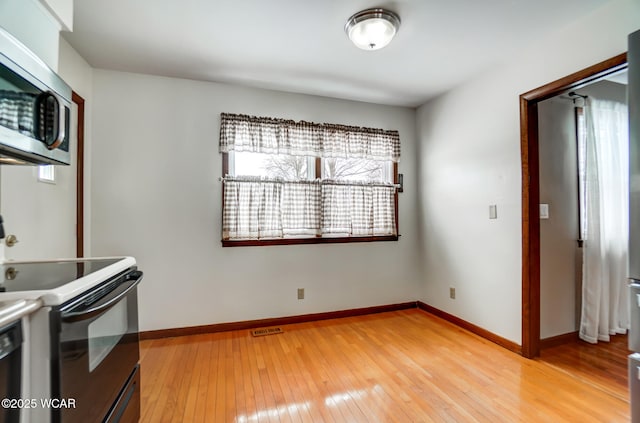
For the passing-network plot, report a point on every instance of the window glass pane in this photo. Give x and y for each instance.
(271, 165)
(357, 170)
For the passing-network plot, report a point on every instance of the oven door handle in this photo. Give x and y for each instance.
(131, 282)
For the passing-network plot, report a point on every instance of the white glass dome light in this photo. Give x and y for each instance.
(372, 29)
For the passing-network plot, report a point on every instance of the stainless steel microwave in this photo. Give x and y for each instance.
(35, 108)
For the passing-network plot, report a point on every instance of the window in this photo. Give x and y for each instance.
(358, 170)
(298, 182)
(281, 166)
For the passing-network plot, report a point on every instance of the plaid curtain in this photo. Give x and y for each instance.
(358, 209)
(281, 136)
(256, 208)
(252, 210)
(300, 208)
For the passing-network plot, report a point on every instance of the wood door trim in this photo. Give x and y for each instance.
(531, 190)
(558, 340)
(79, 101)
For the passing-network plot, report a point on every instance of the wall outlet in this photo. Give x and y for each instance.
(301, 293)
(452, 293)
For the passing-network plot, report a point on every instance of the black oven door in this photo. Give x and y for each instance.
(95, 349)
(10, 369)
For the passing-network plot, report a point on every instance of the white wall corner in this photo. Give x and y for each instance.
(61, 11)
(34, 26)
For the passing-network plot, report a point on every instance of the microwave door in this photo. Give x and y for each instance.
(53, 121)
(35, 106)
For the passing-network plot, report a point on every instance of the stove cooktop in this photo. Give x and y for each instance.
(57, 281)
(50, 275)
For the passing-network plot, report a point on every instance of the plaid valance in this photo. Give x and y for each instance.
(282, 136)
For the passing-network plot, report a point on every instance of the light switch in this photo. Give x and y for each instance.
(544, 211)
(493, 211)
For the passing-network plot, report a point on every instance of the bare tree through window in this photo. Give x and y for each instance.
(286, 167)
(271, 165)
(290, 167)
(354, 170)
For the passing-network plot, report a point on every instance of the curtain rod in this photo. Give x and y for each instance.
(317, 181)
(575, 94)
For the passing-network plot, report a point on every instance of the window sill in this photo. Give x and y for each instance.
(299, 241)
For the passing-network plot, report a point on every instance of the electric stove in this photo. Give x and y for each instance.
(82, 345)
(57, 281)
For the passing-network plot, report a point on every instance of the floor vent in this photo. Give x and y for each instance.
(266, 331)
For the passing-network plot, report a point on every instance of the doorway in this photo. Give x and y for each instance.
(530, 162)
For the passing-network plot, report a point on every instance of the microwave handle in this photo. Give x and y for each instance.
(62, 129)
(107, 301)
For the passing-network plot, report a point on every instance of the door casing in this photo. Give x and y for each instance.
(529, 153)
(79, 101)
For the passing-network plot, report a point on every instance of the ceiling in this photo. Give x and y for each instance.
(621, 77)
(300, 45)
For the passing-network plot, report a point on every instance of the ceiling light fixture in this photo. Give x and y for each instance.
(372, 29)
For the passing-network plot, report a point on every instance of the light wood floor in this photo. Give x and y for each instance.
(405, 366)
(603, 365)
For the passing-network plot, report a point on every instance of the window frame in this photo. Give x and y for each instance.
(311, 240)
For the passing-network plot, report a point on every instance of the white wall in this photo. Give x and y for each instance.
(41, 215)
(32, 23)
(469, 145)
(62, 10)
(156, 196)
(559, 253)
(79, 75)
(606, 90)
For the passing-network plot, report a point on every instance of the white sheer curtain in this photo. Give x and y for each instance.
(604, 294)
